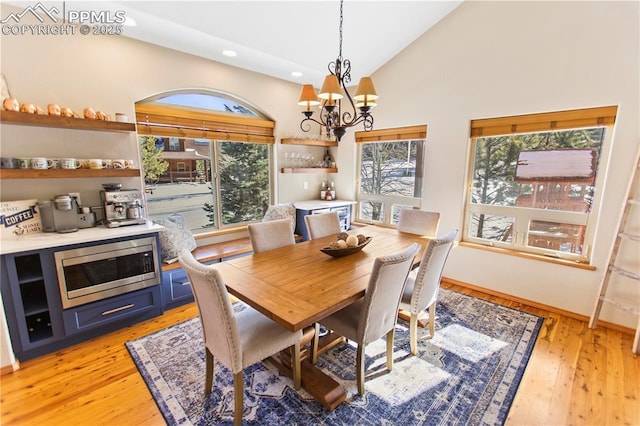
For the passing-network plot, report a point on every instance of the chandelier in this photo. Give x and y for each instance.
(338, 110)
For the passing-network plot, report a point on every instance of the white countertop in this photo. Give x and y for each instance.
(321, 204)
(43, 240)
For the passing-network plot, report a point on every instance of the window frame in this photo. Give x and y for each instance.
(166, 120)
(540, 123)
(389, 202)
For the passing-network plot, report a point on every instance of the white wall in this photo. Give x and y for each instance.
(111, 73)
(491, 59)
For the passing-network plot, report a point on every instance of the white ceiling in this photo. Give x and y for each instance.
(279, 37)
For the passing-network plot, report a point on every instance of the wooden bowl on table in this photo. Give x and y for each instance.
(340, 252)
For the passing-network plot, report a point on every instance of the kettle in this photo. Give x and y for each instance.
(134, 211)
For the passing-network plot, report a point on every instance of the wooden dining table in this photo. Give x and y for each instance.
(299, 285)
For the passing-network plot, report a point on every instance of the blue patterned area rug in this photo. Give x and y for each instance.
(467, 374)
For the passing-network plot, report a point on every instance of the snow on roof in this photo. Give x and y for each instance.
(562, 163)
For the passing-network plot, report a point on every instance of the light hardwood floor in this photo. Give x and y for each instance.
(576, 376)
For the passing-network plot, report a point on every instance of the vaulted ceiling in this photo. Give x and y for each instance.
(277, 38)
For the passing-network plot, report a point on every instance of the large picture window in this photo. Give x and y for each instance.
(390, 165)
(213, 168)
(534, 181)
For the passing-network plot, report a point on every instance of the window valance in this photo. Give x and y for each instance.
(393, 134)
(183, 123)
(589, 117)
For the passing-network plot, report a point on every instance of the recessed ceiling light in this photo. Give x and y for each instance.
(229, 53)
(296, 74)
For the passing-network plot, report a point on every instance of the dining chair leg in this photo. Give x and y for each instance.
(314, 343)
(413, 333)
(208, 371)
(390, 337)
(295, 368)
(360, 369)
(238, 396)
(432, 319)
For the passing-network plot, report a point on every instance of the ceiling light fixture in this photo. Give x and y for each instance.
(230, 53)
(332, 96)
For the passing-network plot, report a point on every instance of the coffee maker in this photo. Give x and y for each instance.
(122, 207)
(64, 214)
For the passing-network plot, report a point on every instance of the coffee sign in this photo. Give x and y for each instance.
(19, 218)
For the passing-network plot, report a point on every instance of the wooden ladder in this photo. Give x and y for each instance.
(612, 269)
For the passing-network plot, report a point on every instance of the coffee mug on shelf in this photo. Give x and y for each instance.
(122, 118)
(119, 164)
(8, 163)
(106, 164)
(41, 163)
(56, 163)
(83, 163)
(95, 163)
(70, 163)
(130, 164)
(23, 163)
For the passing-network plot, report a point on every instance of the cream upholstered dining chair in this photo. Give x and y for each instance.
(421, 291)
(270, 235)
(374, 315)
(322, 225)
(418, 222)
(237, 340)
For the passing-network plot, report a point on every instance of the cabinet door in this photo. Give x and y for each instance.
(176, 288)
(301, 226)
(31, 299)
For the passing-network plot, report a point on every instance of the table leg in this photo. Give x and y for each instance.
(322, 387)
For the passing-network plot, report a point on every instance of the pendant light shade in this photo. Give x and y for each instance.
(308, 97)
(331, 89)
(365, 93)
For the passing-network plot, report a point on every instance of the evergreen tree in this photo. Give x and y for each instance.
(153, 164)
(244, 181)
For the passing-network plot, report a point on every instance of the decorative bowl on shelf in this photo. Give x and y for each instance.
(340, 252)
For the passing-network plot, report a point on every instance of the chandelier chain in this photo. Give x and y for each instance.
(340, 31)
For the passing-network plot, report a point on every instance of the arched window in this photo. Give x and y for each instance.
(207, 155)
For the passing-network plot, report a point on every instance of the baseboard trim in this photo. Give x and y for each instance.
(569, 314)
(8, 369)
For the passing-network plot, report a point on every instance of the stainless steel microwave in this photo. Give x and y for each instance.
(97, 272)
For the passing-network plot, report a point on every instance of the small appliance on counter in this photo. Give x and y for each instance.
(65, 214)
(46, 215)
(86, 218)
(122, 207)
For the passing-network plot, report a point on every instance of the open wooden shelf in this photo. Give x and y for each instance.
(308, 170)
(66, 173)
(26, 119)
(311, 142)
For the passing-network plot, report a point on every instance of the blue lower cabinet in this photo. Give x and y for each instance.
(176, 288)
(137, 305)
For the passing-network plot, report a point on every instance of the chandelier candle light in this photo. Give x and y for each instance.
(332, 95)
